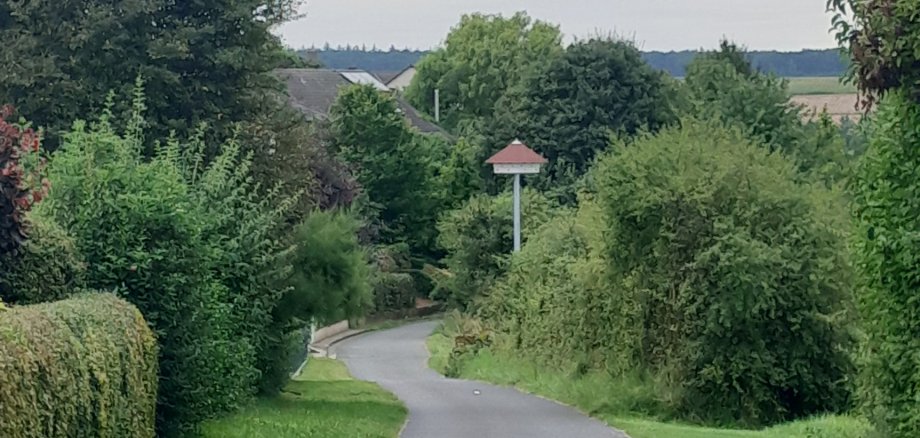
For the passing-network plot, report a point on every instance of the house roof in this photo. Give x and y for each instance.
(386, 76)
(417, 120)
(313, 91)
(516, 153)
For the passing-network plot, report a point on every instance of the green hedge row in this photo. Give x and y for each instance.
(81, 367)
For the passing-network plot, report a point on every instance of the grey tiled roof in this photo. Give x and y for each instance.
(386, 76)
(415, 119)
(313, 91)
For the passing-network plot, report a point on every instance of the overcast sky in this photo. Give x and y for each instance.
(655, 24)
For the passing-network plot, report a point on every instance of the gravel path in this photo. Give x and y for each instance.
(448, 408)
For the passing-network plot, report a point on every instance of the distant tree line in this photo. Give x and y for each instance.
(827, 62)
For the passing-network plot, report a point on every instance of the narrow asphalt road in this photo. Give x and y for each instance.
(448, 408)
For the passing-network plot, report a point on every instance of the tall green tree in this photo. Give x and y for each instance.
(723, 85)
(202, 60)
(569, 109)
(482, 58)
(884, 41)
(371, 134)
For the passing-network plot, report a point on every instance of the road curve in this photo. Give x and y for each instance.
(449, 408)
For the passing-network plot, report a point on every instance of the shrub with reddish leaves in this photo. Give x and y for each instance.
(21, 182)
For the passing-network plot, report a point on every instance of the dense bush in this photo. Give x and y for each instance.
(478, 239)
(394, 286)
(883, 38)
(84, 367)
(739, 280)
(888, 236)
(327, 280)
(244, 230)
(189, 252)
(555, 304)
(48, 266)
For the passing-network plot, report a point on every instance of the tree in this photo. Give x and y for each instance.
(459, 175)
(884, 43)
(370, 133)
(569, 109)
(202, 60)
(482, 58)
(730, 278)
(723, 85)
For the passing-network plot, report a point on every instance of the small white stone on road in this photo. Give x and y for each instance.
(476, 392)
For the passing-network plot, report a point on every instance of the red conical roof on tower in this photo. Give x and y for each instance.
(516, 153)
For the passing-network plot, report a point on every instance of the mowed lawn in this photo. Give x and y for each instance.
(620, 403)
(324, 401)
(819, 85)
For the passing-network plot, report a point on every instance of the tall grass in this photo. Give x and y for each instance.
(627, 403)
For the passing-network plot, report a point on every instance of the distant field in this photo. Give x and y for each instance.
(819, 85)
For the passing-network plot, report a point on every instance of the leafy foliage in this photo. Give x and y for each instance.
(555, 293)
(885, 193)
(196, 247)
(294, 154)
(723, 85)
(394, 285)
(883, 38)
(244, 230)
(86, 366)
(48, 266)
(482, 58)
(478, 239)
(740, 275)
(700, 263)
(203, 61)
(568, 109)
(330, 276)
(141, 234)
(327, 280)
(460, 175)
(21, 183)
(389, 160)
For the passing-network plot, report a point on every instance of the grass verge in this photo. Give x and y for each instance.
(324, 401)
(624, 404)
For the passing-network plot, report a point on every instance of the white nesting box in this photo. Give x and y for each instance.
(511, 169)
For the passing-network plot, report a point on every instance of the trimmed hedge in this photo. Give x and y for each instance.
(86, 366)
